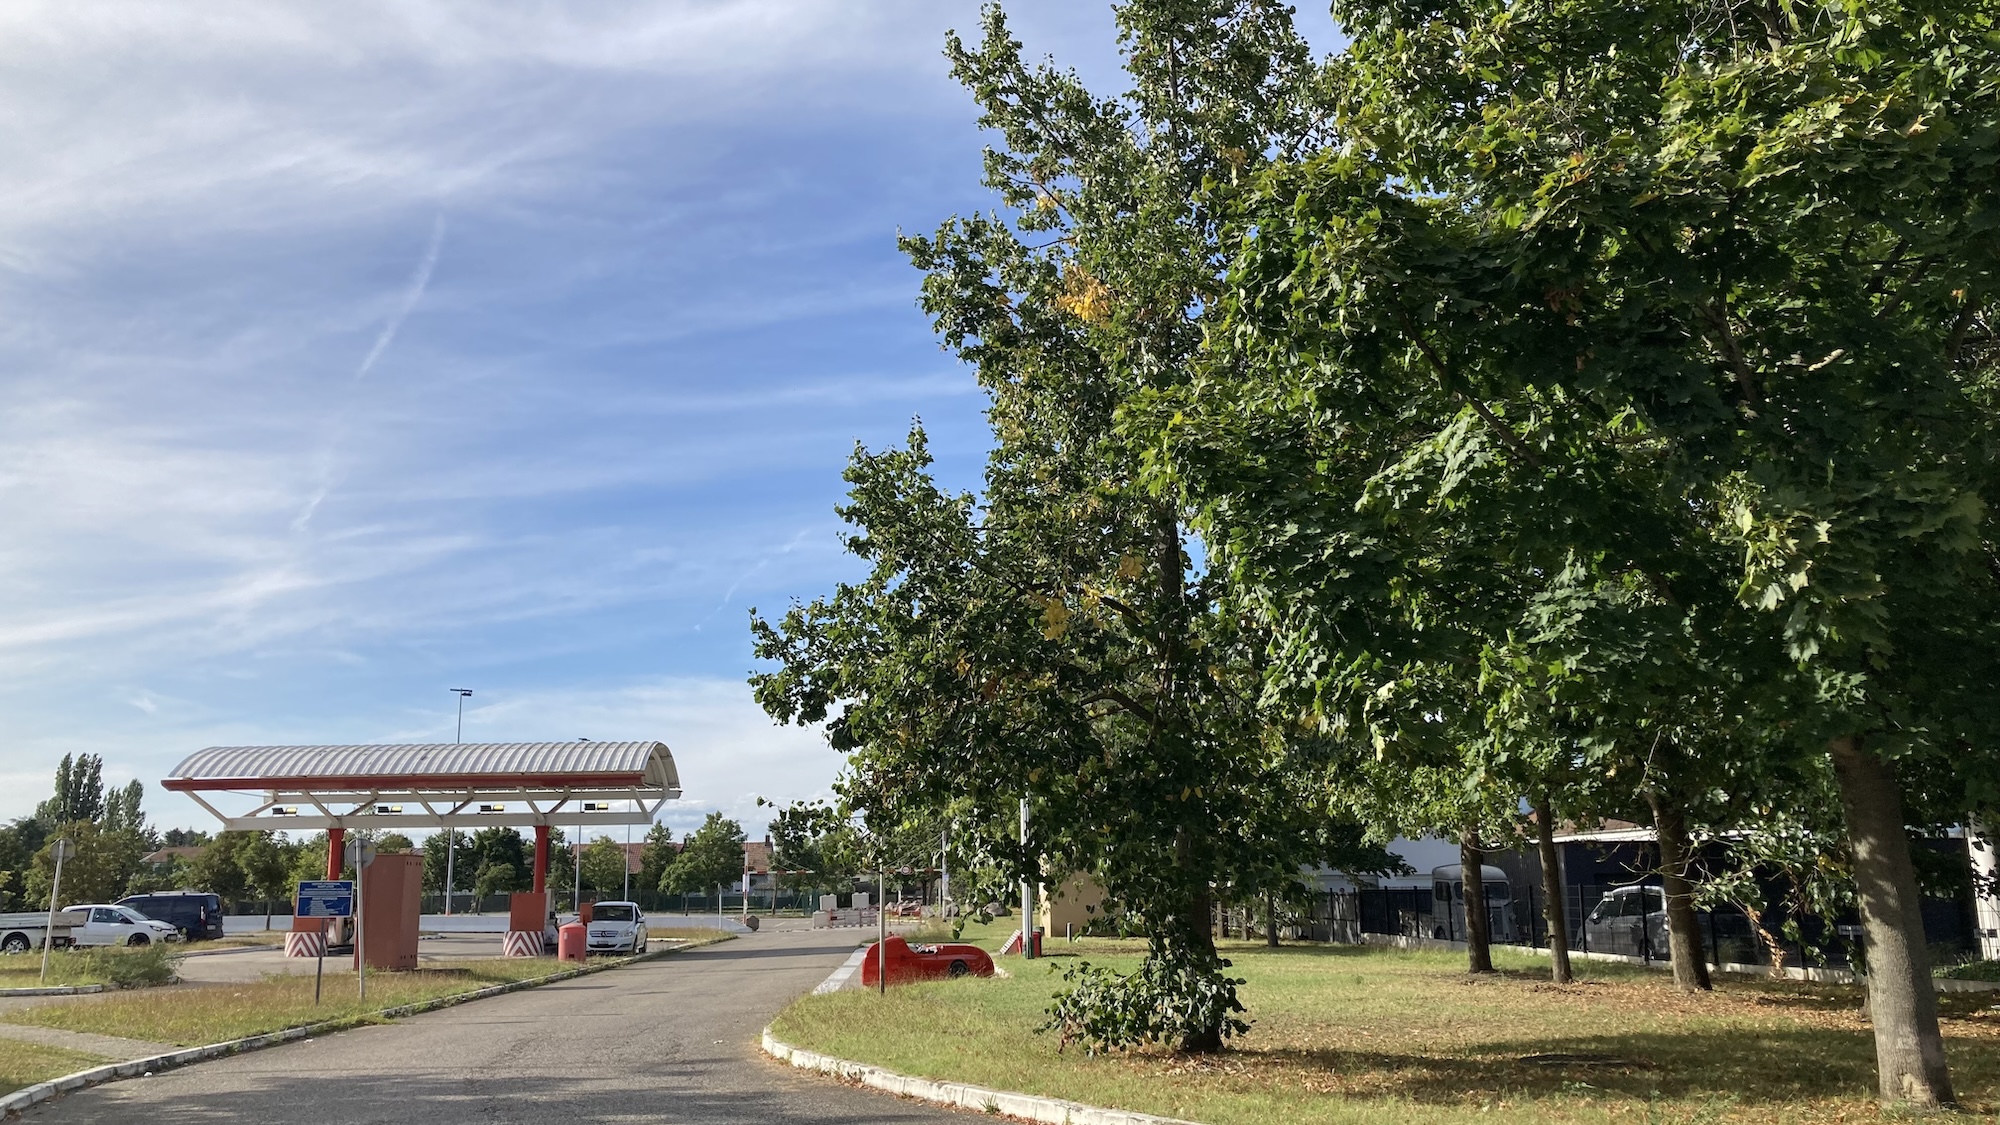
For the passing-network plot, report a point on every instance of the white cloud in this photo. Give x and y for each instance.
(728, 751)
(619, 285)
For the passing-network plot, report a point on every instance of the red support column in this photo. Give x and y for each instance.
(541, 858)
(336, 844)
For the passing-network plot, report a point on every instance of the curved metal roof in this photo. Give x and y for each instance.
(539, 765)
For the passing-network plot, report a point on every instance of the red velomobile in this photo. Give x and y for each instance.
(924, 962)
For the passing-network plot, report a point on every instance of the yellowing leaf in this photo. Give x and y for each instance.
(1083, 296)
(1055, 619)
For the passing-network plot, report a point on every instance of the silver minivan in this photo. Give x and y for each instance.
(1629, 920)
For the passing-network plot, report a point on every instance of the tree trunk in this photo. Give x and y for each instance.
(1471, 868)
(1270, 920)
(1206, 1041)
(1199, 934)
(1684, 944)
(1909, 1052)
(1555, 902)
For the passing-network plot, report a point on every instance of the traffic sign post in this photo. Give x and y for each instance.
(324, 899)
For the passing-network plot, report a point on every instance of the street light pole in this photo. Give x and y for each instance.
(451, 833)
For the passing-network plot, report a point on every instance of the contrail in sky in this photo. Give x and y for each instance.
(419, 281)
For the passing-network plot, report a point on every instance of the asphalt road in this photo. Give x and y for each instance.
(672, 1040)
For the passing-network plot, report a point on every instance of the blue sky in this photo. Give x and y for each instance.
(357, 352)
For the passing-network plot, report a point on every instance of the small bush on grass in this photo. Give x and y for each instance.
(122, 966)
(1163, 1002)
(140, 967)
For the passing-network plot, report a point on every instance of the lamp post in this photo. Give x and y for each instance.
(451, 833)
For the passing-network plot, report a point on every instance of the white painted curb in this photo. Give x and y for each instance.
(840, 976)
(1027, 1107)
(55, 990)
(12, 1104)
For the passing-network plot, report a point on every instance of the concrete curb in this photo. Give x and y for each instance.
(1027, 1107)
(56, 990)
(12, 1104)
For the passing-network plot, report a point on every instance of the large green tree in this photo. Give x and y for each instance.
(1697, 294)
(814, 845)
(79, 791)
(656, 856)
(710, 857)
(604, 866)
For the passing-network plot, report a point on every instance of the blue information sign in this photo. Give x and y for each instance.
(326, 898)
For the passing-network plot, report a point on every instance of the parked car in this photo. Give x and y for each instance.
(196, 914)
(119, 925)
(924, 962)
(616, 927)
(1630, 920)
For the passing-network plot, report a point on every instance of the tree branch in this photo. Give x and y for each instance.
(1746, 379)
(1500, 429)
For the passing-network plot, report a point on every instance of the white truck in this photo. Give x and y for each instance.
(24, 931)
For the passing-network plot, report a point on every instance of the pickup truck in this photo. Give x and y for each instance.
(119, 925)
(616, 927)
(21, 932)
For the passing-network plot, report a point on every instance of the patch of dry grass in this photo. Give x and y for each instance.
(24, 1064)
(1349, 1036)
(190, 1016)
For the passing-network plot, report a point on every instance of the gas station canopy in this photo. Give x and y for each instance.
(440, 785)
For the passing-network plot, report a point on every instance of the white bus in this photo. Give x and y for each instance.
(1448, 903)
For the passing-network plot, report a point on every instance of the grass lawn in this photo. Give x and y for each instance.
(194, 1015)
(24, 1064)
(1360, 1035)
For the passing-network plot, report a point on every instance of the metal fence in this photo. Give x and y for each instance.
(652, 902)
(1623, 919)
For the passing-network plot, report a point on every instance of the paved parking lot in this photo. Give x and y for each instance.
(670, 1040)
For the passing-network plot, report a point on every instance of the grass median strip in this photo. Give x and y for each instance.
(193, 1016)
(24, 1064)
(1354, 1036)
(110, 964)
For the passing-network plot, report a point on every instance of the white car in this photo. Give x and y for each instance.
(616, 927)
(120, 925)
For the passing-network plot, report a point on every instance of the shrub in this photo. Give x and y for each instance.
(130, 967)
(1165, 1001)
